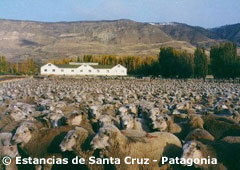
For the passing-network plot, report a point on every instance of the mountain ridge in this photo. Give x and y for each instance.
(43, 40)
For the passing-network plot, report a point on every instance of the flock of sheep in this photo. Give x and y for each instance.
(120, 117)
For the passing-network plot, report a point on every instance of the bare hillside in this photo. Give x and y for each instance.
(22, 39)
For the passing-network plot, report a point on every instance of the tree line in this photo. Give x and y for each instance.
(132, 63)
(27, 67)
(223, 62)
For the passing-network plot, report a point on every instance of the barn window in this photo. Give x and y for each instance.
(107, 71)
(98, 71)
(45, 70)
(53, 70)
(49, 64)
(72, 70)
(89, 71)
(85, 65)
(81, 70)
(62, 70)
(118, 66)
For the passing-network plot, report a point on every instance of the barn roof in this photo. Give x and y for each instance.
(102, 66)
(93, 66)
(67, 66)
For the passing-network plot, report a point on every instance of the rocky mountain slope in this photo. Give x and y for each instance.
(22, 39)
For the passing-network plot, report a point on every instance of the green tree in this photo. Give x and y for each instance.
(173, 63)
(185, 65)
(224, 60)
(200, 63)
(168, 62)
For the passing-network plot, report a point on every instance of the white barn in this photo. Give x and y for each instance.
(88, 69)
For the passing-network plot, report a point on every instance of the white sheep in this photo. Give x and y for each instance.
(74, 138)
(18, 115)
(56, 118)
(105, 120)
(154, 114)
(40, 143)
(12, 152)
(94, 112)
(131, 122)
(5, 139)
(24, 132)
(115, 144)
(6, 148)
(123, 111)
(75, 141)
(164, 123)
(197, 150)
(75, 119)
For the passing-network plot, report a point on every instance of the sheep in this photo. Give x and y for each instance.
(165, 124)
(105, 120)
(108, 109)
(221, 127)
(77, 141)
(227, 150)
(160, 123)
(42, 143)
(197, 150)
(131, 122)
(75, 119)
(113, 143)
(24, 131)
(56, 119)
(144, 108)
(5, 139)
(231, 139)
(17, 113)
(70, 139)
(74, 139)
(8, 124)
(132, 108)
(123, 111)
(6, 148)
(154, 114)
(123, 95)
(195, 121)
(200, 135)
(12, 152)
(94, 112)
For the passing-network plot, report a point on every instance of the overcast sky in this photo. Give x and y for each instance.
(206, 13)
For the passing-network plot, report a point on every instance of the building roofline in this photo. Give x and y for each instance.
(68, 66)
